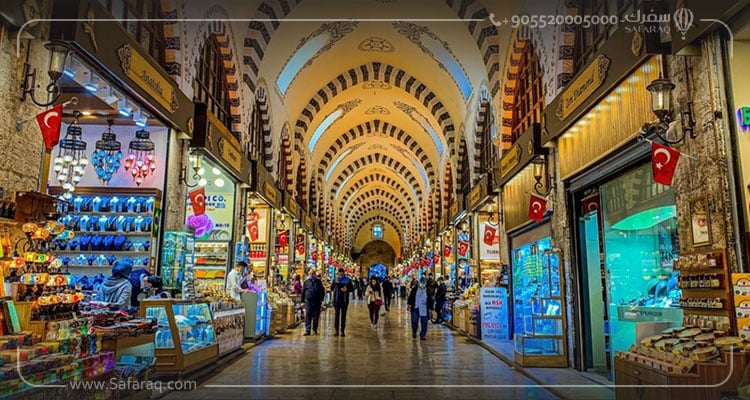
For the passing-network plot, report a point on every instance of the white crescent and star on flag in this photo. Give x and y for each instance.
(51, 114)
(668, 157)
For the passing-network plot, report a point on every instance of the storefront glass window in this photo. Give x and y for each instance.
(640, 246)
(527, 282)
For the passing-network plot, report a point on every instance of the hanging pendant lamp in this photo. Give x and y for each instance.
(107, 157)
(70, 163)
(141, 160)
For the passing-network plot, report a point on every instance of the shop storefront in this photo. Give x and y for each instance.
(483, 205)
(262, 201)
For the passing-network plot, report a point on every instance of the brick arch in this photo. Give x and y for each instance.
(222, 32)
(261, 101)
(377, 179)
(284, 165)
(375, 192)
(448, 187)
(384, 160)
(521, 38)
(362, 202)
(379, 205)
(385, 219)
(300, 188)
(484, 111)
(371, 127)
(172, 39)
(374, 71)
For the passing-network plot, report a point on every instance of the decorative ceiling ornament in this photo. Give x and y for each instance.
(336, 30)
(349, 105)
(377, 110)
(378, 44)
(377, 85)
(406, 108)
(141, 160)
(70, 163)
(107, 157)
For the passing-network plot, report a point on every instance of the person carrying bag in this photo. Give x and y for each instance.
(374, 298)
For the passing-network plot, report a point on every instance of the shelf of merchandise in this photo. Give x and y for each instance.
(724, 292)
(105, 252)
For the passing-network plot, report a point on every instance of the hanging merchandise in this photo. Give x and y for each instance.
(107, 157)
(141, 160)
(70, 163)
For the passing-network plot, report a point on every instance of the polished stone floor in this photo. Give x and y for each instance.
(385, 363)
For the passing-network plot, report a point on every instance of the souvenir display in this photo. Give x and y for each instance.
(211, 260)
(177, 263)
(108, 225)
(184, 328)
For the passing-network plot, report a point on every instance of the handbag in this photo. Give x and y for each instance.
(378, 302)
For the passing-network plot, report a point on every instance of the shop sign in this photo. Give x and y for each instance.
(307, 222)
(584, 86)
(743, 117)
(648, 314)
(215, 223)
(510, 159)
(137, 68)
(478, 193)
(493, 306)
(270, 192)
(230, 154)
(223, 143)
(489, 246)
(291, 206)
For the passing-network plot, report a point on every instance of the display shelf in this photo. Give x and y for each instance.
(115, 233)
(105, 252)
(712, 263)
(177, 262)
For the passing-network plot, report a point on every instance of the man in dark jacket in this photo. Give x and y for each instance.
(341, 288)
(387, 293)
(440, 298)
(313, 294)
(431, 289)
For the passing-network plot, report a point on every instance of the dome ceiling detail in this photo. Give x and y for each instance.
(378, 44)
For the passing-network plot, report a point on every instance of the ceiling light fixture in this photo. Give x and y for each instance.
(107, 157)
(141, 160)
(70, 163)
(124, 108)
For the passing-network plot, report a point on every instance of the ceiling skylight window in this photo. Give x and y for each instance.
(299, 59)
(449, 62)
(330, 119)
(427, 127)
(336, 163)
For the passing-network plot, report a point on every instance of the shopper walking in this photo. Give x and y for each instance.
(374, 299)
(362, 287)
(431, 290)
(417, 305)
(313, 293)
(342, 287)
(387, 293)
(440, 298)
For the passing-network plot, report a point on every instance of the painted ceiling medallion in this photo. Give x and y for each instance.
(374, 43)
(377, 110)
(406, 108)
(350, 105)
(377, 85)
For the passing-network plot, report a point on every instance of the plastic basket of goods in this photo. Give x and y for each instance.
(689, 333)
(728, 343)
(705, 338)
(649, 341)
(705, 354)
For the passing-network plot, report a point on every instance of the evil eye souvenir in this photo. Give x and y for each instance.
(150, 204)
(74, 244)
(84, 222)
(136, 261)
(128, 245)
(75, 223)
(114, 204)
(107, 243)
(78, 203)
(131, 204)
(139, 206)
(120, 224)
(137, 245)
(146, 245)
(111, 259)
(85, 242)
(86, 207)
(102, 260)
(96, 243)
(66, 261)
(81, 259)
(145, 261)
(112, 224)
(137, 224)
(103, 223)
(90, 259)
(147, 224)
(67, 220)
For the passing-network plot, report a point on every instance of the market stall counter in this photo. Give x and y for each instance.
(185, 339)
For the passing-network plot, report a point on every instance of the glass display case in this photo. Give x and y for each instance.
(177, 262)
(185, 339)
(539, 307)
(109, 224)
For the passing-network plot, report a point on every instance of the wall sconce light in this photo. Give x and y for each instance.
(542, 177)
(196, 162)
(59, 52)
(661, 106)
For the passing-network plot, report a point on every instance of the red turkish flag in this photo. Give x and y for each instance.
(489, 234)
(463, 247)
(300, 246)
(537, 208)
(591, 203)
(315, 255)
(663, 163)
(252, 225)
(447, 250)
(198, 201)
(49, 122)
(282, 238)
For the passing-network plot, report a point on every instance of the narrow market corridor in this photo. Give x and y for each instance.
(367, 364)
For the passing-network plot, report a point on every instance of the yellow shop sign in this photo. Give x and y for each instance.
(137, 68)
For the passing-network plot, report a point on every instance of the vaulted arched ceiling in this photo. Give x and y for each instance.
(374, 105)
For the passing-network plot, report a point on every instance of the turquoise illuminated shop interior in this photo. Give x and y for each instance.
(646, 219)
